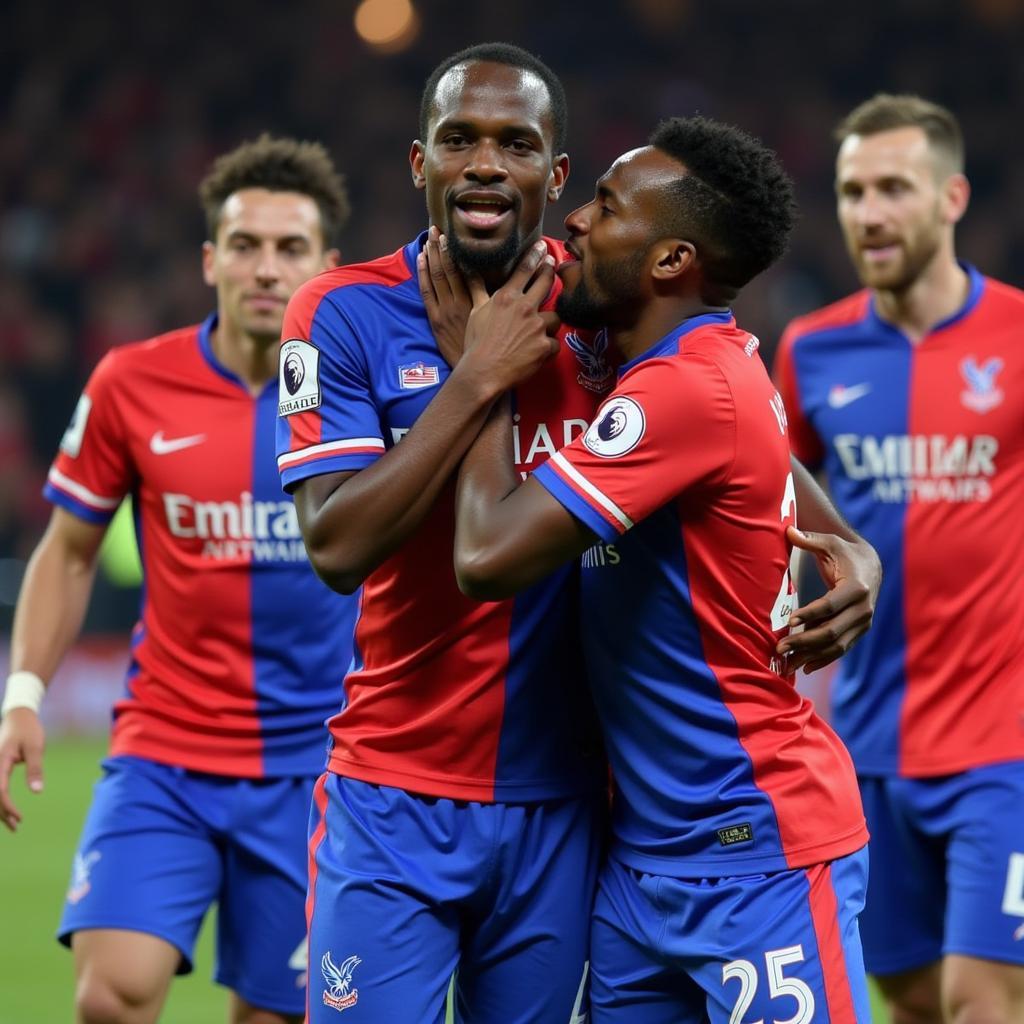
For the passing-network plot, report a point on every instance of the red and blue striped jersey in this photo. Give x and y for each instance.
(923, 446)
(239, 652)
(447, 697)
(721, 766)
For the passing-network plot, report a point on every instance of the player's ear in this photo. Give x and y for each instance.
(332, 258)
(208, 272)
(419, 179)
(671, 258)
(558, 177)
(956, 194)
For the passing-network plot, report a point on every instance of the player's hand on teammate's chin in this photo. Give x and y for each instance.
(22, 739)
(507, 337)
(445, 295)
(833, 623)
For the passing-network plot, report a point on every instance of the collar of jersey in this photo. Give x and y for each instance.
(974, 293)
(206, 329)
(670, 343)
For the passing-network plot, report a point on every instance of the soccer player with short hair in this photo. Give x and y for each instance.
(738, 862)
(906, 395)
(239, 652)
(464, 801)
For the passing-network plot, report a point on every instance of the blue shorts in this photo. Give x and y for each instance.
(947, 868)
(160, 844)
(407, 890)
(782, 946)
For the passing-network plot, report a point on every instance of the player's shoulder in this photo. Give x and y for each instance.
(845, 312)
(385, 272)
(135, 357)
(1003, 296)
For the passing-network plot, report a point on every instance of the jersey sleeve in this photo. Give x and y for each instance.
(803, 440)
(327, 420)
(94, 468)
(668, 427)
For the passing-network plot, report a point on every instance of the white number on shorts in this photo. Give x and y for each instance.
(1013, 896)
(778, 985)
(786, 600)
(747, 973)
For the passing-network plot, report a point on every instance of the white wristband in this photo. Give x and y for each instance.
(24, 690)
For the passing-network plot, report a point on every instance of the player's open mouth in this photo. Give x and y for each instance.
(879, 253)
(482, 211)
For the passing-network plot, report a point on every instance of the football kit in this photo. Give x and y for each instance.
(736, 807)
(454, 710)
(236, 661)
(923, 446)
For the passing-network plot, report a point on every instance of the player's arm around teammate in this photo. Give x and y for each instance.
(848, 564)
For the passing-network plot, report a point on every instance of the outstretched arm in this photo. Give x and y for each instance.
(47, 619)
(851, 569)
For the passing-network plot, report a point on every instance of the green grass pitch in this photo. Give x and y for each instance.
(37, 983)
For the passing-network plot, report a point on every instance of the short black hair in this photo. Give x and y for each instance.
(513, 57)
(734, 201)
(885, 112)
(278, 165)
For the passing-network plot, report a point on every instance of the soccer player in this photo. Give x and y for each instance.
(239, 652)
(905, 394)
(465, 793)
(738, 863)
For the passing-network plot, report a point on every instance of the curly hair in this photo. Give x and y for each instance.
(885, 112)
(279, 165)
(513, 57)
(735, 202)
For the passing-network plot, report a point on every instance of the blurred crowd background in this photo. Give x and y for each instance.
(112, 112)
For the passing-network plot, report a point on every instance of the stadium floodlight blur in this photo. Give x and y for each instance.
(389, 26)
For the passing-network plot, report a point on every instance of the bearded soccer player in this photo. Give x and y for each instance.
(239, 652)
(905, 395)
(464, 801)
(738, 862)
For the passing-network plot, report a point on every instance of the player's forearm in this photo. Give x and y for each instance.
(509, 533)
(350, 531)
(51, 606)
(815, 510)
(487, 475)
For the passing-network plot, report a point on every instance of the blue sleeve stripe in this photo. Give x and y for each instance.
(77, 508)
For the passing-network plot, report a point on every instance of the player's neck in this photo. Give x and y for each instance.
(252, 360)
(935, 295)
(654, 322)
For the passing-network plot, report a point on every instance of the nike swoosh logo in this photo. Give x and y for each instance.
(840, 397)
(160, 445)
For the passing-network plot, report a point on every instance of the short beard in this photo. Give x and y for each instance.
(620, 287)
(484, 261)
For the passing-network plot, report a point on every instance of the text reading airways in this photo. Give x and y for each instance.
(921, 467)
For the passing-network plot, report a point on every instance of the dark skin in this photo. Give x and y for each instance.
(490, 136)
(488, 168)
(512, 533)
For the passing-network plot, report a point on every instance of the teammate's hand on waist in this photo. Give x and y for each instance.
(833, 623)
